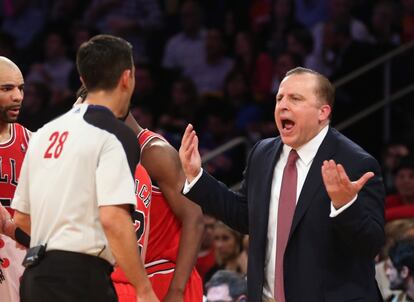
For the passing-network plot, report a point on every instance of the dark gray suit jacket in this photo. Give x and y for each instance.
(326, 259)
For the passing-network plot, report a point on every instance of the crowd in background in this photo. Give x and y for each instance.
(218, 65)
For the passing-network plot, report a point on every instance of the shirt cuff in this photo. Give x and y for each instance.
(335, 212)
(188, 186)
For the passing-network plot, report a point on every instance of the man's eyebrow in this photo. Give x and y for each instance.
(9, 85)
(296, 95)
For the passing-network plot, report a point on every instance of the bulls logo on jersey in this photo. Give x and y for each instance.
(143, 192)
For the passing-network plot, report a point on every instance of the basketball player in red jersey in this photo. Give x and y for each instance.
(13, 145)
(143, 191)
(176, 224)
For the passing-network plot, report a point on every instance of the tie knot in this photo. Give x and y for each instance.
(293, 157)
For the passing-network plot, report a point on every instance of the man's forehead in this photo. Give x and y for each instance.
(11, 76)
(300, 82)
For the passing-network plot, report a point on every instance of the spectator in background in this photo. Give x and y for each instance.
(255, 64)
(134, 20)
(210, 73)
(339, 13)
(228, 250)
(394, 231)
(400, 271)
(284, 62)
(24, 20)
(300, 43)
(36, 96)
(55, 71)
(383, 27)
(186, 48)
(147, 92)
(180, 110)
(390, 158)
(206, 259)
(401, 204)
(282, 21)
(217, 123)
(248, 113)
(56, 66)
(226, 286)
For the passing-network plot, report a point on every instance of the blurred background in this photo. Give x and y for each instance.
(218, 65)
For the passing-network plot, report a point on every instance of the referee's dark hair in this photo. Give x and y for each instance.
(402, 254)
(102, 60)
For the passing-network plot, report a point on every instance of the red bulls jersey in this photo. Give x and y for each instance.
(143, 191)
(12, 153)
(164, 237)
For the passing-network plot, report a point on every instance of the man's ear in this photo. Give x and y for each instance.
(324, 112)
(126, 77)
(405, 272)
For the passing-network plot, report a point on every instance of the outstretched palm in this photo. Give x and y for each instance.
(189, 155)
(340, 188)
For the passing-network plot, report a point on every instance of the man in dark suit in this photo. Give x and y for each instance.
(335, 228)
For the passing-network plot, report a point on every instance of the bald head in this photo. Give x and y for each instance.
(11, 91)
(7, 63)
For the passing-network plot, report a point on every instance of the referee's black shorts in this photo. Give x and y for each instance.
(68, 277)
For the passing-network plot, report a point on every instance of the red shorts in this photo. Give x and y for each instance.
(125, 292)
(160, 276)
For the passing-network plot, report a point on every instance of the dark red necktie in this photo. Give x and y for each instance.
(286, 209)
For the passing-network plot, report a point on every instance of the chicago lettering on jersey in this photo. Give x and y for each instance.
(4, 178)
(143, 193)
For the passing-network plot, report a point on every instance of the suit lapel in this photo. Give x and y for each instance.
(313, 181)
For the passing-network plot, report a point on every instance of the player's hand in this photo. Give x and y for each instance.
(7, 226)
(189, 154)
(174, 296)
(4, 216)
(340, 188)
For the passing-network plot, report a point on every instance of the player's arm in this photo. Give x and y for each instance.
(117, 225)
(170, 179)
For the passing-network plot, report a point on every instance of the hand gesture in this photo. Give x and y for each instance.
(340, 189)
(189, 155)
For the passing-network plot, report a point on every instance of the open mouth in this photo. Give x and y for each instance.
(14, 110)
(287, 124)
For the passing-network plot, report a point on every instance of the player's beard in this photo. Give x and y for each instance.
(5, 116)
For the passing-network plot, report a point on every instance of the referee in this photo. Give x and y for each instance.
(76, 189)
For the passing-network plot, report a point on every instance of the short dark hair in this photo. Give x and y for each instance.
(402, 254)
(237, 284)
(102, 60)
(325, 89)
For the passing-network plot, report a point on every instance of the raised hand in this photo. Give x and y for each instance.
(7, 226)
(189, 154)
(340, 188)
